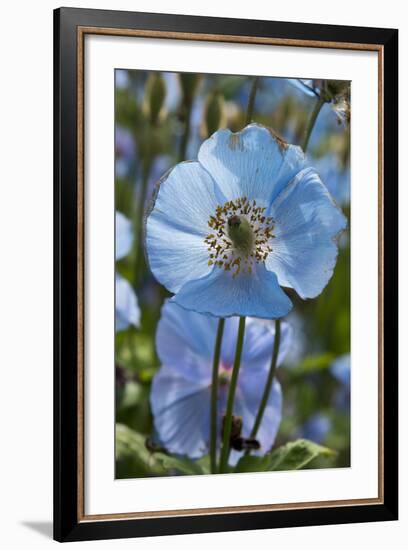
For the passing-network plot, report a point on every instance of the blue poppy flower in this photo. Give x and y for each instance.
(127, 310)
(226, 232)
(123, 236)
(181, 389)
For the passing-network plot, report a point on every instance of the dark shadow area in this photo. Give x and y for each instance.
(42, 527)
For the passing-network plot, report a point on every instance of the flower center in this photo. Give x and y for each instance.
(241, 233)
(241, 237)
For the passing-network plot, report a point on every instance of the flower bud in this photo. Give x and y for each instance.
(214, 113)
(189, 84)
(333, 89)
(155, 95)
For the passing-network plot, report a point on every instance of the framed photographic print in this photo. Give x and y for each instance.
(225, 274)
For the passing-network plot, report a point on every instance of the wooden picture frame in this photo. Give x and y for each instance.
(70, 520)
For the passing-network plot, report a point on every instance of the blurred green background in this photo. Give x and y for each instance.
(161, 119)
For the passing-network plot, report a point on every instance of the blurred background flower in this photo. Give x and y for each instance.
(341, 370)
(181, 389)
(316, 428)
(123, 235)
(126, 306)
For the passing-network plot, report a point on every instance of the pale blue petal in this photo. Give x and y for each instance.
(249, 395)
(124, 236)
(307, 223)
(127, 310)
(178, 224)
(229, 341)
(255, 364)
(180, 396)
(258, 342)
(334, 177)
(181, 413)
(252, 163)
(255, 294)
(185, 341)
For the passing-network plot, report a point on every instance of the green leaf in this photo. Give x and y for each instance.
(205, 464)
(292, 456)
(297, 454)
(131, 448)
(252, 463)
(183, 465)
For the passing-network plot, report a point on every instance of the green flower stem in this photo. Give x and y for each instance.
(269, 381)
(225, 449)
(251, 100)
(214, 396)
(313, 117)
(231, 395)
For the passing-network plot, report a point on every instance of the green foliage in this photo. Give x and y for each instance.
(292, 456)
(189, 83)
(132, 393)
(314, 363)
(214, 113)
(155, 95)
(182, 465)
(297, 454)
(132, 455)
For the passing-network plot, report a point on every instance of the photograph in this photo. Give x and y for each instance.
(203, 251)
(232, 273)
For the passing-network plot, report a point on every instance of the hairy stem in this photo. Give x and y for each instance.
(231, 396)
(312, 120)
(214, 396)
(251, 100)
(186, 134)
(269, 382)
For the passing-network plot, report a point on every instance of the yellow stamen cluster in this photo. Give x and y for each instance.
(229, 255)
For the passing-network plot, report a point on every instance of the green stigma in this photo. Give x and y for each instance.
(241, 234)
